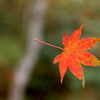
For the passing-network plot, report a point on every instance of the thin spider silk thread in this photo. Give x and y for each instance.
(52, 70)
(53, 67)
(80, 3)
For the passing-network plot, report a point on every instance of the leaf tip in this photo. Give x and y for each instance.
(61, 80)
(83, 83)
(81, 26)
(53, 62)
(98, 39)
(65, 33)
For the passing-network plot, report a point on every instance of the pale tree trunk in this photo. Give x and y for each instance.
(24, 68)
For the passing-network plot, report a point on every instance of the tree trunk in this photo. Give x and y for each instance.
(24, 68)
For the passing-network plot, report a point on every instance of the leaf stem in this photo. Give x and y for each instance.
(48, 44)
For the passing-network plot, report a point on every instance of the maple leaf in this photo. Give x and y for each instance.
(74, 54)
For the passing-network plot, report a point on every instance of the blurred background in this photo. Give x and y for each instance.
(26, 69)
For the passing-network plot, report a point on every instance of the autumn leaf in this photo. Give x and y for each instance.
(74, 54)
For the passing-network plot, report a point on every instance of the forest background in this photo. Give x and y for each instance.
(26, 69)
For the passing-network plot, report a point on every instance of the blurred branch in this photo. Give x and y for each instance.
(23, 70)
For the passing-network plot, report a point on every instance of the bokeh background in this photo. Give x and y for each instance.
(26, 69)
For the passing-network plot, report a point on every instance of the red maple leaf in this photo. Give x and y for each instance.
(74, 54)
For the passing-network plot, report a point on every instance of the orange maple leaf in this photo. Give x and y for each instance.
(74, 54)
